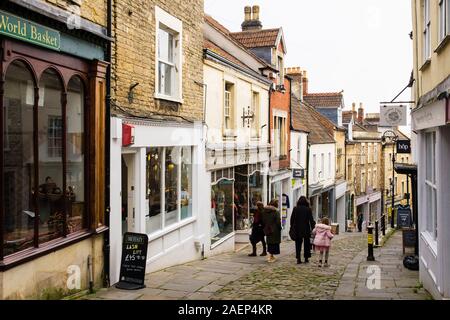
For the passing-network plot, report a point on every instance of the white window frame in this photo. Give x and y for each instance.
(255, 108)
(299, 148)
(329, 164)
(322, 164)
(229, 110)
(444, 19)
(315, 167)
(175, 26)
(431, 185)
(426, 31)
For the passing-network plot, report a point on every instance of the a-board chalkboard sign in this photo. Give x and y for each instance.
(409, 238)
(404, 217)
(134, 260)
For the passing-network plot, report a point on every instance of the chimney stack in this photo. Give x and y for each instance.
(305, 81)
(296, 74)
(360, 113)
(251, 20)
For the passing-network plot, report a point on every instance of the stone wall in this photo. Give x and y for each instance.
(92, 10)
(134, 54)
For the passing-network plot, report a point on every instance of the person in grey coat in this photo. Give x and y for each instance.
(272, 229)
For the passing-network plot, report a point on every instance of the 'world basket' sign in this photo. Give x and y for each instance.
(16, 27)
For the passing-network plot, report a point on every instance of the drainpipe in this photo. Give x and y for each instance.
(106, 248)
(308, 151)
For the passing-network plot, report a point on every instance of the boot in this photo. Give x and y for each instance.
(299, 261)
(264, 253)
(253, 254)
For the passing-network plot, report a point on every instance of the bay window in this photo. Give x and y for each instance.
(43, 162)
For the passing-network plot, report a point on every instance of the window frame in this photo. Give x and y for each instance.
(431, 185)
(229, 132)
(37, 61)
(255, 109)
(426, 35)
(171, 24)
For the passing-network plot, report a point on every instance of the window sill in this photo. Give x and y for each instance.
(425, 65)
(430, 243)
(161, 233)
(168, 98)
(224, 239)
(30, 254)
(442, 44)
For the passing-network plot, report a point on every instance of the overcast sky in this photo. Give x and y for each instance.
(359, 46)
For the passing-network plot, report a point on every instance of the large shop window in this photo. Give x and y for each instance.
(168, 187)
(43, 158)
(222, 204)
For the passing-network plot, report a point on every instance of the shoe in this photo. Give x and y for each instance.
(271, 259)
(252, 254)
(299, 261)
(263, 254)
(326, 264)
(306, 260)
(320, 264)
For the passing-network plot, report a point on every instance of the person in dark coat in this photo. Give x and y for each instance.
(303, 223)
(258, 230)
(272, 229)
(360, 221)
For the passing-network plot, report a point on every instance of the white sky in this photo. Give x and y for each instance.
(359, 46)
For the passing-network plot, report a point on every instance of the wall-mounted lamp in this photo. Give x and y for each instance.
(131, 93)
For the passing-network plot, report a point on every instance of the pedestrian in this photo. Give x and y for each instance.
(322, 240)
(360, 221)
(258, 230)
(272, 229)
(302, 223)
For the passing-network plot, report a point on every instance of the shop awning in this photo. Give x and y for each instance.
(404, 168)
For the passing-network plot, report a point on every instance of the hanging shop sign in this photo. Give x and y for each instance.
(16, 27)
(403, 146)
(134, 261)
(298, 173)
(393, 115)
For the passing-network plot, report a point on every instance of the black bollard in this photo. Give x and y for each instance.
(376, 233)
(370, 256)
(383, 225)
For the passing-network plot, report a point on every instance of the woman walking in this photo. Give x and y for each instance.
(258, 230)
(272, 229)
(302, 223)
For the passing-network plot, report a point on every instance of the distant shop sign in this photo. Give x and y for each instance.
(403, 146)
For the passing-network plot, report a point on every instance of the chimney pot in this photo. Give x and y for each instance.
(255, 10)
(248, 13)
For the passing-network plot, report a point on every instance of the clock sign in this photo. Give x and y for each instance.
(393, 116)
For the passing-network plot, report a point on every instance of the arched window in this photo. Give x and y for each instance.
(75, 157)
(50, 145)
(18, 159)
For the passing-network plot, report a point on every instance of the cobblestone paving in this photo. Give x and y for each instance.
(235, 276)
(284, 279)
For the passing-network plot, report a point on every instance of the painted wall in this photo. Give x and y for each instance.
(327, 178)
(47, 277)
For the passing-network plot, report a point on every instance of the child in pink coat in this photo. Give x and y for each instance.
(322, 239)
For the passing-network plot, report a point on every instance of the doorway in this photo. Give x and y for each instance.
(128, 193)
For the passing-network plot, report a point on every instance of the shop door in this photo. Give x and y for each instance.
(128, 193)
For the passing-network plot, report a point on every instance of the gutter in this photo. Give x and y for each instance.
(106, 243)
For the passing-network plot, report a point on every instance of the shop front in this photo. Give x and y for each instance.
(52, 156)
(234, 193)
(157, 191)
(280, 188)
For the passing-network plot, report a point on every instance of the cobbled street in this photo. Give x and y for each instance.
(235, 276)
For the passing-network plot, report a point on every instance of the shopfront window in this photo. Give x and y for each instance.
(154, 186)
(186, 183)
(222, 204)
(18, 159)
(169, 187)
(43, 198)
(241, 198)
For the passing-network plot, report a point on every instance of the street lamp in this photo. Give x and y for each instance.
(390, 135)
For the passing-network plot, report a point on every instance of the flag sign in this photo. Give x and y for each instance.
(393, 115)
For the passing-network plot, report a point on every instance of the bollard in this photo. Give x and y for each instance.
(383, 225)
(370, 256)
(376, 233)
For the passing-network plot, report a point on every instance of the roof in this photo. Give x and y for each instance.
(207, 44)
(318, 126)
(296, 115)
(347, 116)
(257, 38)
(211, 46)
(325, 99)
